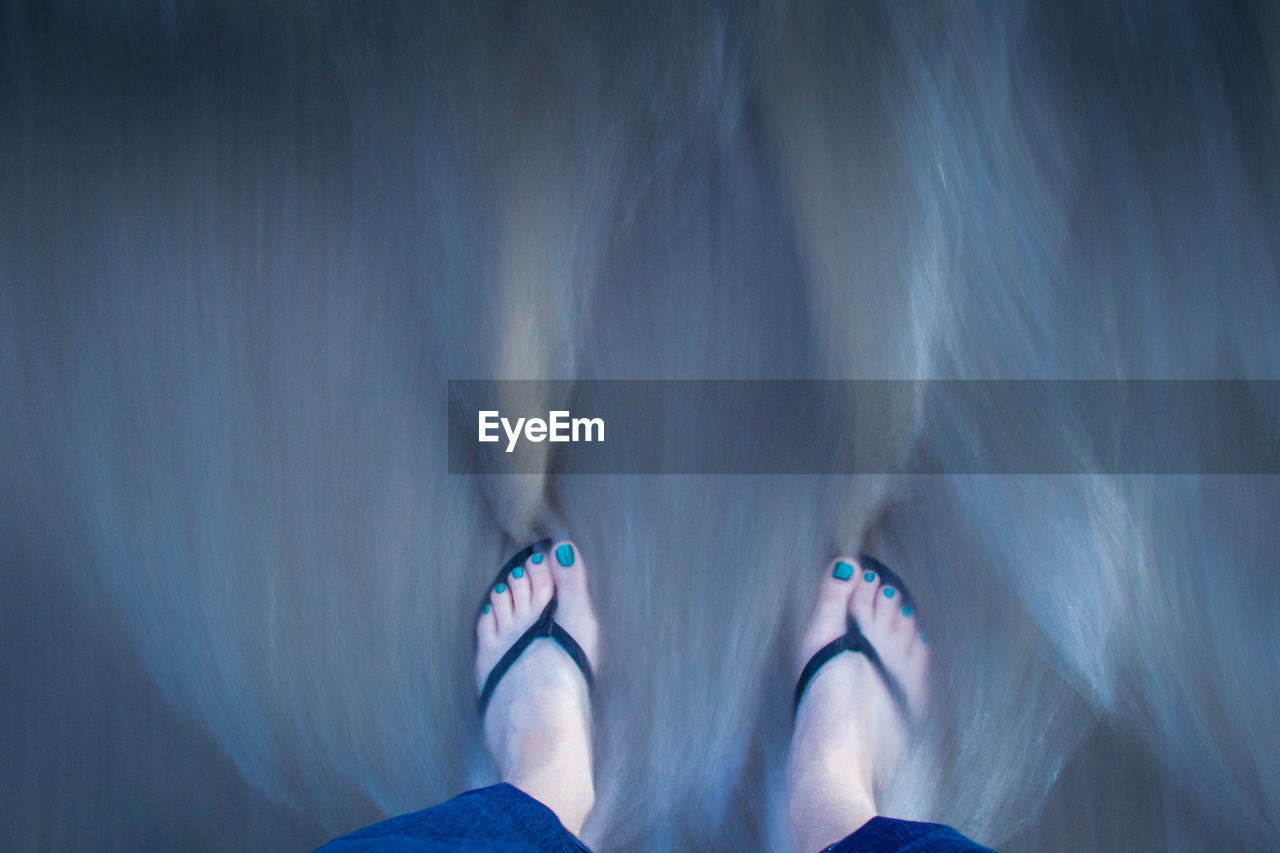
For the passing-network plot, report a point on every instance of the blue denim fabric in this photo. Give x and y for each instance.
(905, 836)
(503, 819)
(497, 819)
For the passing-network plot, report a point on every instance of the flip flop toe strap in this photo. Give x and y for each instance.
(852, 640)
(546, 626)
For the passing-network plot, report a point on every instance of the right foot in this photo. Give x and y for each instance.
(849, 733)
(538, 721)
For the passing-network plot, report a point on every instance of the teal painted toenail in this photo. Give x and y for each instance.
(869, 577)
(888, 592)
(842, 572)
(906, 610)
(500, 588)
(487, 608)
(517, 572)
(564, 555)
(922, 639)
(537, 559)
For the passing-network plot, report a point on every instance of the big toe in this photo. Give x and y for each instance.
(573, 610)
(828, 620)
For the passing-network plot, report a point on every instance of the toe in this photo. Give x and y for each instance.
(569, 578)
(521, 591)
(835, 588)
(888, 602)
(828, 620)
(541, 586)
(837, 584)
(568, 570)
(500, 599)
(918, 652)
(907, 619)
(486, 626)
(863, 602)
(908, 611)
(886, 612)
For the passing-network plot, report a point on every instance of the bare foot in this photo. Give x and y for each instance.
(538, 722)
(849, 733)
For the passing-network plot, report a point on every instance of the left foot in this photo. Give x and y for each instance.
(849, 733)
(538, 722)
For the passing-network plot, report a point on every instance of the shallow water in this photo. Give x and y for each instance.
(243, 249)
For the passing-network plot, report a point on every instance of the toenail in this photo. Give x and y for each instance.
(906, 610)
(564, 555)
(537, 559)
(869, 577)
(487, 608)
(517, 572)
(922, 638)
(500, 588)
(842, 572)
(888, 592)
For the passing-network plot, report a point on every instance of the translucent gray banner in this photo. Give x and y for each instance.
(864, 427)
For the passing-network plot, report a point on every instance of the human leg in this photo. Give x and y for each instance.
(537, 645)
(864, 664)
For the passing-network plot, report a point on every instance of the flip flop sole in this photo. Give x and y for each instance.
(546, 626)
(853, 640)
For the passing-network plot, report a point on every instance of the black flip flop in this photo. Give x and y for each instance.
(853, 640)
(546, 626)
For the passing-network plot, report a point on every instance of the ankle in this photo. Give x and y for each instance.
(819, 823)
(554, 768)
(571, 803)
(830, 796)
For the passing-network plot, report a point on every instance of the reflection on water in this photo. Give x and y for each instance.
(241, 252)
